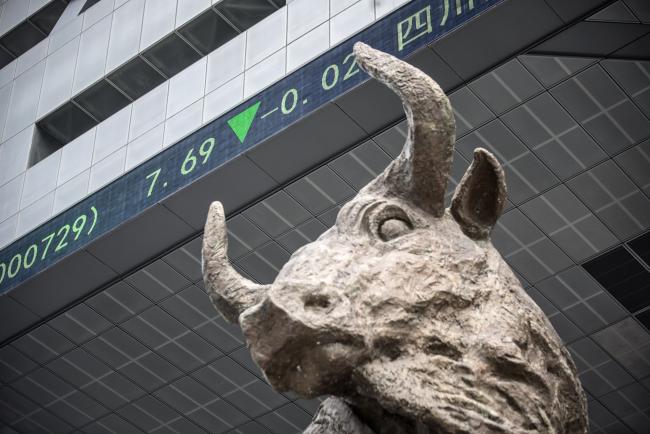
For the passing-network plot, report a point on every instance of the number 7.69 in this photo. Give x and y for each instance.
(188, 165)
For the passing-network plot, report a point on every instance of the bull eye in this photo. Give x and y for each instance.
(392, 228)
(388, 221)
(316, 301)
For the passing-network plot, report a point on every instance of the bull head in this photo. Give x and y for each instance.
(403, 308)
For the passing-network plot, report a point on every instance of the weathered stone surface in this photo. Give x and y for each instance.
(228, 290)
(405, 310)
(335, 416)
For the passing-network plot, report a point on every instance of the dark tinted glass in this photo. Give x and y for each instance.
(136, 78)
(623, 276)
(171, 55)
(245, 13)
(208, 31)
(66, 123)
(102, 100)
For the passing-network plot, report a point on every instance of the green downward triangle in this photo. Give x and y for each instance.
(242, 122)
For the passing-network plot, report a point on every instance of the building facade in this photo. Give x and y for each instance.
(121, 120)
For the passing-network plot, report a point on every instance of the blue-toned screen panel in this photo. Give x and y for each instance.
(335, 72)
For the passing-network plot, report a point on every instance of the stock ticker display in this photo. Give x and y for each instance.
(335, 72)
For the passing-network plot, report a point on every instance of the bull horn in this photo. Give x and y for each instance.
(229, 291)
(419, 174)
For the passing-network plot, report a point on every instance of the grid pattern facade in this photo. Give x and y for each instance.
(148, 354)
(151, 354)
(573, 134)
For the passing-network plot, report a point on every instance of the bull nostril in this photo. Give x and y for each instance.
(316, 301)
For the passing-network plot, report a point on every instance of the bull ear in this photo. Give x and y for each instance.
(480, 196)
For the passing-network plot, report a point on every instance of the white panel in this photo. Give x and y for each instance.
(76, 156)
(188, 9)
(32, 56)
(149, 111)
(304, 15)
(383, 7)
(224, 98)
(59, 73)
(159, 18)
(5, 98)
(125, 33)
(65, 34)
(226, 62)
(307, 47)
(40, 179)
(97, 12)
(71, 192)
(264, 73)
(8, 230)
(92, 54)
(107, 170)
(7, 73)
(112, 134)
(266, 37)
(10, 197)
(70, 14)
(14, 154)
(351, 20)
(15, 11)
(24, 100)
(145, 146)
(186, 87)
(340, 5)
(183, 123)
(35, 214)
(36, 5)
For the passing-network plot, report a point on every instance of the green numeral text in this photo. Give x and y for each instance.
(154, 176)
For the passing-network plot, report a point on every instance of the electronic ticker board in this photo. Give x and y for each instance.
(335, 72)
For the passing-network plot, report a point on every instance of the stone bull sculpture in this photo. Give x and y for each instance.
(404, 311)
